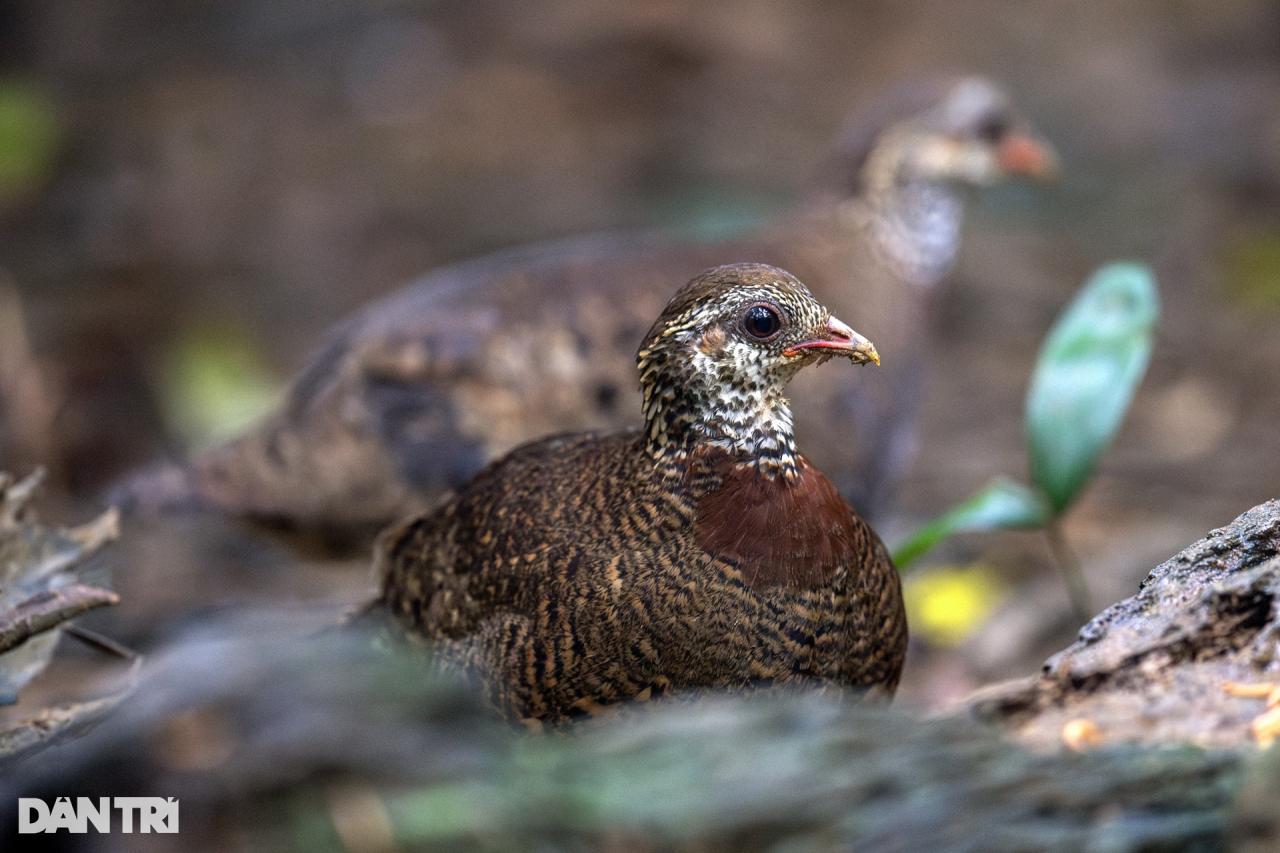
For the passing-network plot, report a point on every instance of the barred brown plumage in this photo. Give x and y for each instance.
(700, 552)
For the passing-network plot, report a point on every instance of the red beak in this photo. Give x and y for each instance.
(838, 340)
(1023, 154)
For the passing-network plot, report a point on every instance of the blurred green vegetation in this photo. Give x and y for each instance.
(1252, 269)
(29, 135)
(215, 383)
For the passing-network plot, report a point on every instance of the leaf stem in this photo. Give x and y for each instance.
(100, 642)
(1069, 567)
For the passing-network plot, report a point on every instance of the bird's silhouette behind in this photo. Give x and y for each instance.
(415, 394)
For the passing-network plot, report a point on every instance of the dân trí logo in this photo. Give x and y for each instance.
(134, 814)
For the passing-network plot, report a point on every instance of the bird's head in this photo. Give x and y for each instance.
(960, 131)
(716, 362)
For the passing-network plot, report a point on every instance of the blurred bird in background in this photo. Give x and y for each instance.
(414, 394)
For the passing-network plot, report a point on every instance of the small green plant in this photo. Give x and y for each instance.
(1089, 365)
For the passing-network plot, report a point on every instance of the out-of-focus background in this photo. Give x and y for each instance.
(192, 193)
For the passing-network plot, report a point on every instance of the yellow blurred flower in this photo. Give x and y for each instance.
(945, 605)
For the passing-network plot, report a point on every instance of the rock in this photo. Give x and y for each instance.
(1152, 668)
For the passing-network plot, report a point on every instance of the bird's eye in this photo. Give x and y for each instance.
(993, 128)
(761, 322)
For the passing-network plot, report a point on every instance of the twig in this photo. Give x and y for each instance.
(101, 642)
(47, 610)
(1069, 566)
(27, 736)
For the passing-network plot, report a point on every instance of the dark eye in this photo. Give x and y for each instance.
(993, 128)
(761, 322)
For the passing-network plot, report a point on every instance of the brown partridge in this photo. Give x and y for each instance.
(416, 393)
(703, 551)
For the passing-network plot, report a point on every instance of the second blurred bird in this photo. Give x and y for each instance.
(414, 394)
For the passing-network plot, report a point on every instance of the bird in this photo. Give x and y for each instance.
(415, 393)
(701, 551)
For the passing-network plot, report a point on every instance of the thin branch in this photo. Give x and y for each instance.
(47, 610)
(1069, 566)
(101, 642)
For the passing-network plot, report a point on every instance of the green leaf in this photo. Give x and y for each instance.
(1089, 366)
(1002, 505)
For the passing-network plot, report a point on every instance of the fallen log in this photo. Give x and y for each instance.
(336, 742)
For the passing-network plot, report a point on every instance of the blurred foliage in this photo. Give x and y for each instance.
(1252, 269)
(216, 383)
(28, 138)
(946, 604)
(1081, 387)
